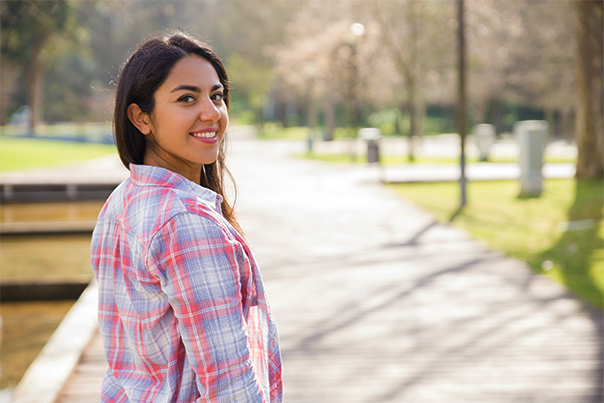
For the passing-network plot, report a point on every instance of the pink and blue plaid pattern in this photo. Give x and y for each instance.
(182, 307)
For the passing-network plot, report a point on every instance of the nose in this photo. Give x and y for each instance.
(209, 112)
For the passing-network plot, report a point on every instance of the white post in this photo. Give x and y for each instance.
(531, 136)
(372, 136)
(484, 138)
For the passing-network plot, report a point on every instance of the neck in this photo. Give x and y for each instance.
(190, 171)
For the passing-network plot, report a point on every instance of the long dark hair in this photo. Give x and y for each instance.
(144, 72)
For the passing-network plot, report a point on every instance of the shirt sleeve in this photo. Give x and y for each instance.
(199, 268)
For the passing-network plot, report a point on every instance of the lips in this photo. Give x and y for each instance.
(209, 136)
(205, 134)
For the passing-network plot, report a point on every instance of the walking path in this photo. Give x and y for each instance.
(376, 302)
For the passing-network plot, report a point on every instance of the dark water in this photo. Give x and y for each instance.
(33, 257)
(61, 255)
(27, 326)
(49, 212)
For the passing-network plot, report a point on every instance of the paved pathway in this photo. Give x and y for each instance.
(376, 302)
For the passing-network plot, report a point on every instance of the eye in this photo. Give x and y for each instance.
(186, 98)
(219, 96)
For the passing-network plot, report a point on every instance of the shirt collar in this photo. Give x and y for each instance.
(148, 175)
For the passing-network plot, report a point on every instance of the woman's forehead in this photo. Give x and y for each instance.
(192, 70)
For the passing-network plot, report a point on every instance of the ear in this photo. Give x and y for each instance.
(139, 118)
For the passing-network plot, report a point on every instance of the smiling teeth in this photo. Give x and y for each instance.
(206, 135)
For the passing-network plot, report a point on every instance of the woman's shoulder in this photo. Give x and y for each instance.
(155, 188)
(145, 210)
(142, 209)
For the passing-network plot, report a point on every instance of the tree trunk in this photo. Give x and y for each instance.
(312, 112)
(420, 112)
(7, 84)
(557, 128)
(398, 122)
(329, 111)
(588, 123)
(481, 108)
(551, 122)
(33, 74)
(567, 124)
(497, 115)
(280, 105)
(411, 110)
(33, 80)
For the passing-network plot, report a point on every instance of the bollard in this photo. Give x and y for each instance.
(309, 140)
(372, 136)
(373, 151)
(484, 136)
(531, 136)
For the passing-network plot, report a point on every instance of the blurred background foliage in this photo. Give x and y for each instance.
(333, 64)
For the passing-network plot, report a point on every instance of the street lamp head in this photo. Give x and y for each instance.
(357, 29)
(311, 69)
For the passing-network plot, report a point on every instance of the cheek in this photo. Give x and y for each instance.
(168, 121)
(224, 118)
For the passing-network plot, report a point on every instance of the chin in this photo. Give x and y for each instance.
(209, 160)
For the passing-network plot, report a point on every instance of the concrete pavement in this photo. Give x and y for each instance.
(376, 302)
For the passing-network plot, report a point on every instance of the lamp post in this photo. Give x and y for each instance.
(357, 30)
(354, 35)
(310, 70)
(461, 97)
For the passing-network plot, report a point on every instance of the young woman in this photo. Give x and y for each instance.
(182, 307)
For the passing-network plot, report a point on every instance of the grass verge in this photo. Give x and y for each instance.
(22, 153)
(272, 131)
(559, 234)
(395, 159)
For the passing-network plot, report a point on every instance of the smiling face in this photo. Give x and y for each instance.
(188, 122)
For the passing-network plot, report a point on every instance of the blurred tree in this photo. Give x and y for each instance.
(248, 29)
(492, 32)
(589, 126)
(530, 52)
(316, 51)
(8, 78)
(250, 83)
(68, 87)
(551, 74)
(351, 74)
(521, 52)
(114, 30)
(416, 36)
(289, 56)
(31, 35)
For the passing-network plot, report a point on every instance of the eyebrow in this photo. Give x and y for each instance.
(194, 88)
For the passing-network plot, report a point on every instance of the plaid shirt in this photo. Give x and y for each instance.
(182, 308)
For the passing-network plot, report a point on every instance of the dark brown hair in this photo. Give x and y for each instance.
(144, 72)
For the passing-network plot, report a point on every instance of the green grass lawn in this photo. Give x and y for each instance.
(100, 130)
(560, 234)
(272, 131)
(21, 153)
(395, 159)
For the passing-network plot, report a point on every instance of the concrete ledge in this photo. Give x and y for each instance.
(94, 179)
(43, 289)
(35, 192)
(480, 171)
(45, 377)
(47, 228)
